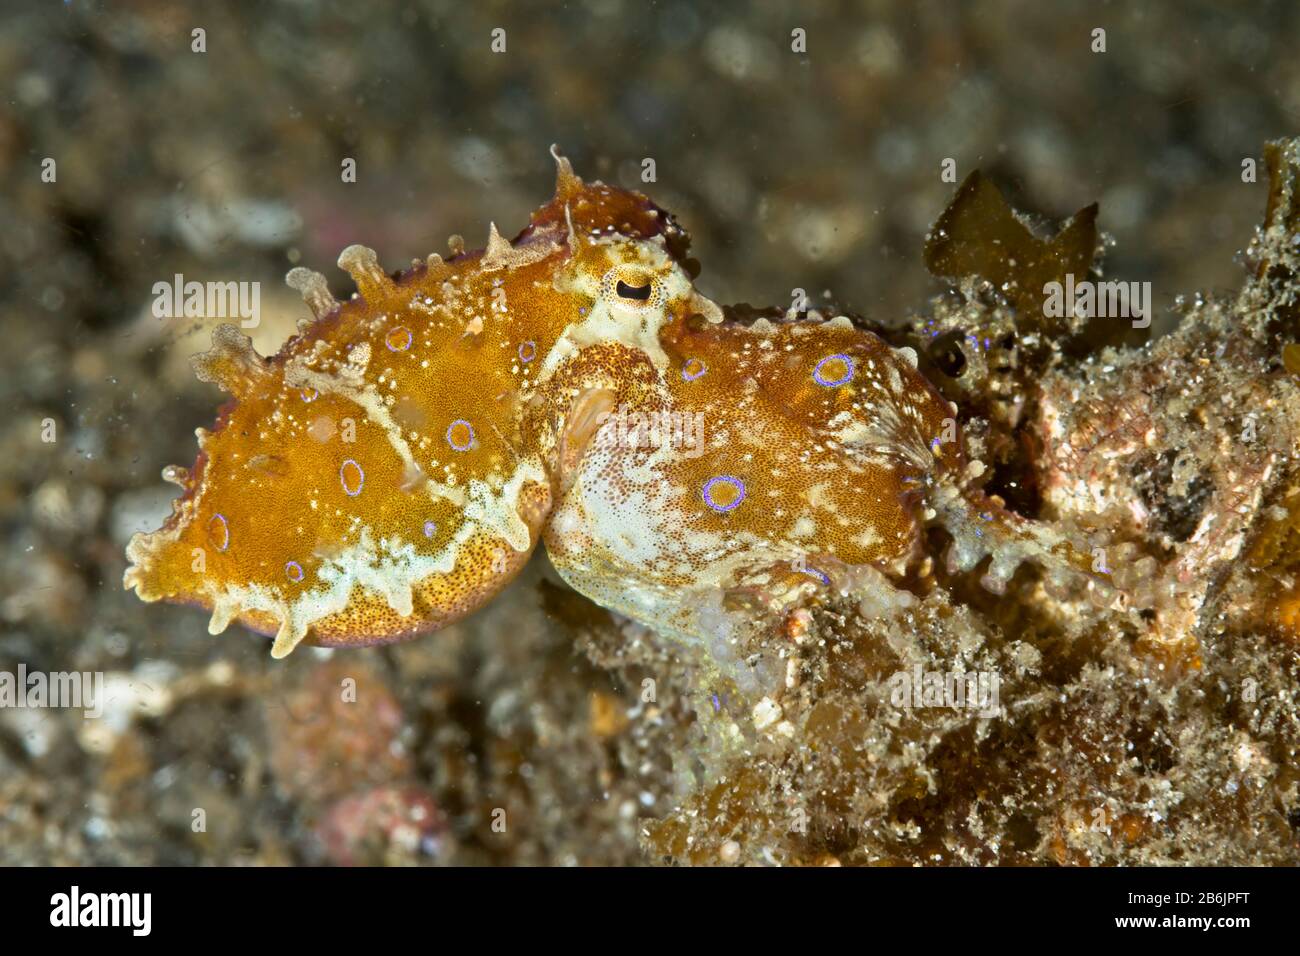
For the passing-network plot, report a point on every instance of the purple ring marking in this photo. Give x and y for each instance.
(309, 394)
(430, 529)
(294, 571)
(225, 532)
(469, 442)
(527, 351)
(396, 336)
(829, 383)
(343, 478)
(732, 482)
(692, 369)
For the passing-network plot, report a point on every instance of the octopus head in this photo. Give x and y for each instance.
(627, 268)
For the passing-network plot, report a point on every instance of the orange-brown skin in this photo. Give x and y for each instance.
(394, 465)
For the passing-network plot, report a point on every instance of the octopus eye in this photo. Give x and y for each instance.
(640, 293)
(631, 285)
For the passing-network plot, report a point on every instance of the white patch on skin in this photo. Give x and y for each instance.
(817, 496)
(631, 530)
(499, 512)
(387, 569)
(359, 358)
(701, 542)
(390, 567)
(611, 319)
(631, 523)
(856, 432)
(878, 438)
(868, 539)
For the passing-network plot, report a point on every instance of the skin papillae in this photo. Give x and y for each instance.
(394, 465)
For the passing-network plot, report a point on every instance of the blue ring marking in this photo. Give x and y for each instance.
(848, 370)
(730, 480)
(388, 339)
(469, 443)
(225, 527)
(818, 575)
(344, 482)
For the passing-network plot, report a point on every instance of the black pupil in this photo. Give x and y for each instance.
(641, 292)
